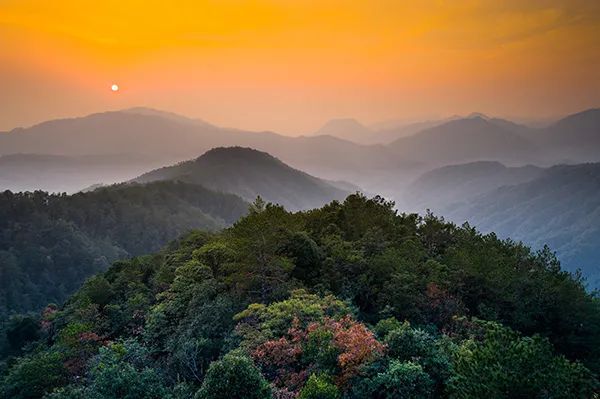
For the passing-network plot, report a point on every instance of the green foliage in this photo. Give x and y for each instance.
(385, 326)
(399, 380)
(408, 344)
(33, 376)
(281, 296)
(336, 345)
(319, 387)
(50, 243)
(234, 376)
(98, 290)
(504, 364)
(118, 372)
(259, 322)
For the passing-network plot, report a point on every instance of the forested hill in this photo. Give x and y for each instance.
(348, 301)
(50, 243)
(557, 206)
(250, 173)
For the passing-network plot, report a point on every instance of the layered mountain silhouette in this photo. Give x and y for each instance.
(383, 133)
(168, 138)
(575, 138)
(463, 140)
(250, 173)
(347, 129)
(444, 187)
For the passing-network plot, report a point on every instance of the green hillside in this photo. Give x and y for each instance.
(348, 301)
(49, 243)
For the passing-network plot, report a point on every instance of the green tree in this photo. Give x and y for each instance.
(33, 376)
(405, 380)
(319, 387)
(234, 376)
(505, 364)
(119, 372)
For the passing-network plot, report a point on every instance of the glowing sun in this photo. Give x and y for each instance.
(114, 87)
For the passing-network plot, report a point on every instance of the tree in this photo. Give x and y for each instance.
(98, 290)
(33, 376)
(234, 376)
(405, 380)
(505, 364)
(408, 344)
(119, 371)
(319, 387)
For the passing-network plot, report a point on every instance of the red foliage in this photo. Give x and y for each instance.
(356, 343)
(279, 358)
(90, 337)
(282, 363)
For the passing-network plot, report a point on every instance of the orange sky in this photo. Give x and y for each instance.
(291, 65)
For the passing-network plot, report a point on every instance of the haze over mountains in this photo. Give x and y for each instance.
(59, 173)
(140, 133)
(143, 132)
(485, 154)
(383, 133)
(448, 185)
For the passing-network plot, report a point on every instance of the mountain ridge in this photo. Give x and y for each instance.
(250, 173)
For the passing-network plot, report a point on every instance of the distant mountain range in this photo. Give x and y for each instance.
(250, 173)
(575, 138)
(168, 138)
(352, 130)
(463, 140)
(448, 185)
(331, 154)
(347, 129)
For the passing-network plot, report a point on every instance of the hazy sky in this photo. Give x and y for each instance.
(291, 65)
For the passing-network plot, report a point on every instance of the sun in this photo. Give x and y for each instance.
(114, 87)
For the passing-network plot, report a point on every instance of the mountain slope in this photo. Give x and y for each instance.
(465, 140)
(352, 300)
(249, 173)
(50, 243)
(444, 187)
(560, 208)
(575, 138)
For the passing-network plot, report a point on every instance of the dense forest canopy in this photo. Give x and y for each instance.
(529, 204)
(352, 300)
(50, 243)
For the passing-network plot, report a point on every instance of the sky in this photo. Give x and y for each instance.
(289, 66)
